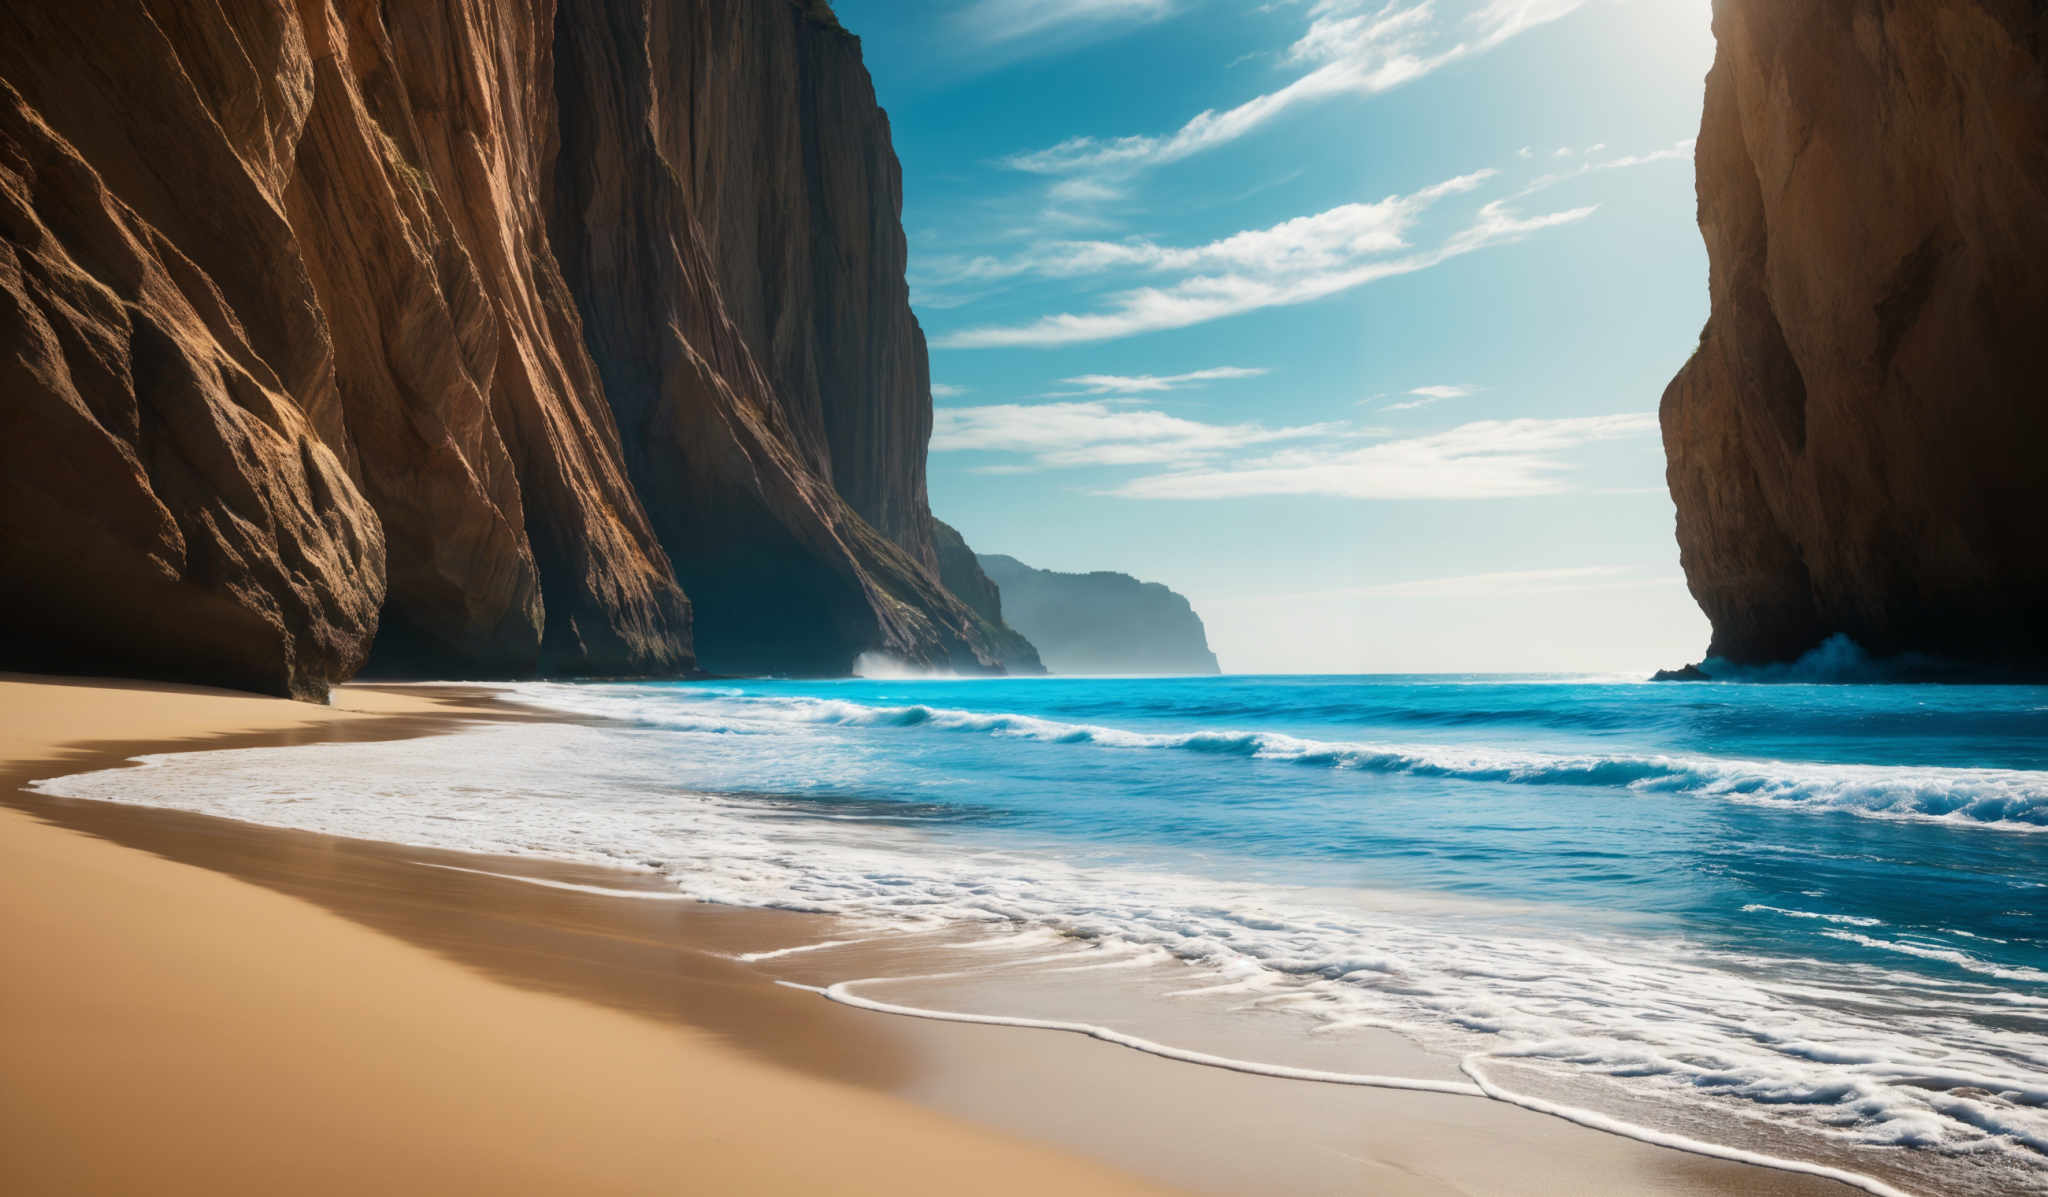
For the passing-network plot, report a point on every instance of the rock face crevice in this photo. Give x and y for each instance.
(456, 338)
(1855, 448)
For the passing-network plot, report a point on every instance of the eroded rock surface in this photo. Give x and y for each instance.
(171, 499)
(444, 338)
(1857, 446)
(786, 574)
(787, 161)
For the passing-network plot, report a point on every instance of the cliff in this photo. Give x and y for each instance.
(1855, 449)
(1101, 622)
(774, 131)
(961, 573)
(455, 338)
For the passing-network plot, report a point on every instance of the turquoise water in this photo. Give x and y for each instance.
(1700, 808)
(1813, 917)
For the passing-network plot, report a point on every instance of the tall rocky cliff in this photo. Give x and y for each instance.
(1857, 446)
(455, 337)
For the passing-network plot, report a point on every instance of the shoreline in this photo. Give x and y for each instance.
(609, 968)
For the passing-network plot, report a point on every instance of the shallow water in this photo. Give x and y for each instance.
(1809, 919)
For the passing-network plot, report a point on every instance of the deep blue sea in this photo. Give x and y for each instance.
(1814, 911)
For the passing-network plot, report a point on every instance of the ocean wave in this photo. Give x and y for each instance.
(1962, 960)
(2006, 799)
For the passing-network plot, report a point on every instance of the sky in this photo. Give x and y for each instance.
(1348, 319)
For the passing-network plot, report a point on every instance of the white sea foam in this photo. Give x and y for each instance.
(1847, 920)
(779, 953)
(843, 993)
(1960, 959)
(1480, 1085)
(603, 891)
(1859, 1056)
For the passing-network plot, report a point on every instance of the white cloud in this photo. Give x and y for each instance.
(1503, 19)
(1351, 47)
(1424, 396)
(1319, 241)
(1300, 260)
(942, 390)
(1099, 433)
(1092, 191)
(995, 21)
(1489, 459)
(1133, 384)
(1682, 149)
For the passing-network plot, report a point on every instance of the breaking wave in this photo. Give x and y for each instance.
(2006, 799)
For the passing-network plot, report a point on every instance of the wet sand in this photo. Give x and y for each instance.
(197, 1005)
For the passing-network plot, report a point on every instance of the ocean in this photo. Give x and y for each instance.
(1803, 921)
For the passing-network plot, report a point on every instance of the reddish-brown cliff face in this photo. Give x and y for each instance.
(743, 477)
(176, 497)
(308, 364)
(1857, 446)
(786, 159)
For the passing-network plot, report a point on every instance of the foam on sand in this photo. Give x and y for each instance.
(1479, 1086)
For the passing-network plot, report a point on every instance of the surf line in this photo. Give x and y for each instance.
(1478, 1085)
(605, 891)
(842, 993)
(778, 953)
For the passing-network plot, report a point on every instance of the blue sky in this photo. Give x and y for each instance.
(1348, 318)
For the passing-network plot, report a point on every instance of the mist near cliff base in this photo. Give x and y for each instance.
(881, 666)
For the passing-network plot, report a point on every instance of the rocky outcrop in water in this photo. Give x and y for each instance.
(447, 338)
(1100, 622)
(1856, 447)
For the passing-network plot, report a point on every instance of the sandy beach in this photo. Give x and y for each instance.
(195, 1005)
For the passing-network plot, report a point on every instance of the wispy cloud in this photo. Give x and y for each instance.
(1351, 47)
(941, 390)
(992, 22)
(1424, 396)
(1099, 433)
(1320, 241)
(1135, 384)
(1300, 260)
(1590, 165)
(1489, 459)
